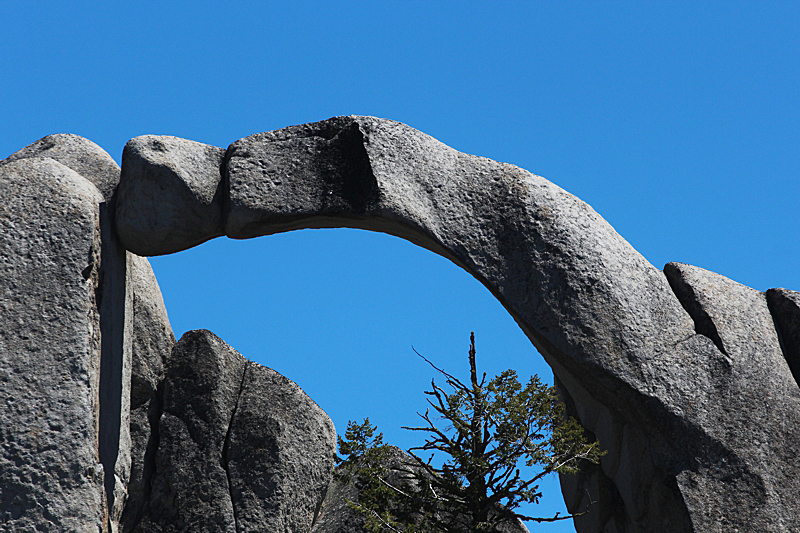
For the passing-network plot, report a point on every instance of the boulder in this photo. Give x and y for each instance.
(170, 195)
(280, 454)
(240, 447)
(51, 477)
(748, 404)
(190, 490)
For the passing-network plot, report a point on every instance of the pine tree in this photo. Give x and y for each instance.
(489, 430)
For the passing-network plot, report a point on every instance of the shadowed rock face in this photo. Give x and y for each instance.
(686, 377)
(152, 344)
(785, 307)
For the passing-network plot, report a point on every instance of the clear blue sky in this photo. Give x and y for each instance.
(677, 121)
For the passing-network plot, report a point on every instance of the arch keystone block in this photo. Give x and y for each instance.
(169, 196)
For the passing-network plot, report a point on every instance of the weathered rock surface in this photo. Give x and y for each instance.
(623, 348)
(113, 300)
(190, 485)
(280, 454)
(152, 342)
(50, 473)
(78, 153)
(240, 447)
(169, 194)
(755, 401)
(603, 317)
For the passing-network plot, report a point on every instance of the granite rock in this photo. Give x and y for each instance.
(684, 376)
(78, 153)
(51, 477)
(152, 341)
(751, 404)
(190, 489)
(169, 194)
(113, 300)
(602, 316)
(280, 454)
(239, 447)
(639, 369)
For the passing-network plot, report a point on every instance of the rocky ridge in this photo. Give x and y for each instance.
(687, 378)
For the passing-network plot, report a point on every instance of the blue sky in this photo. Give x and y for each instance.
(677, 121)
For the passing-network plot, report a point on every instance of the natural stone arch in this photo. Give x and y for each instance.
(688, 378)
(635, 368)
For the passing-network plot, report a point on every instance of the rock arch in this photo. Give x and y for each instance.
(638, 371)
(683, 375)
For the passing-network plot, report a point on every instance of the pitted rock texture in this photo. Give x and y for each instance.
(50, 473)
(756, 395)
(643, 369)
(190, 489)
(78, 153)
(312, 170)
(169, 194)
(280, 454)
(113, 302)
(239, 448)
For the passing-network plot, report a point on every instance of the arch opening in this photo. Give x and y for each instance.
(604, 318)
(337, 311)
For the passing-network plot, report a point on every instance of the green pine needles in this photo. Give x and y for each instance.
(479, 433)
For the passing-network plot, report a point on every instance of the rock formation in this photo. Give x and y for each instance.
(152, 344)
(240, 447)
(66, 339)
(687, 378)
(50, 344)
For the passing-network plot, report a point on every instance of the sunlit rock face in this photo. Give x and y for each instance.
(169, 194)
(239, 447)
(681, 374)
(64, 340)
